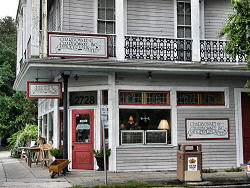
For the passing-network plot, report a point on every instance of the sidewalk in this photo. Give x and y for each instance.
(16, 173)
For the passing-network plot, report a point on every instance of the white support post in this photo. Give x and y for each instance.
(120, 28)
(44, 28)
(35, 28)
(112, 121)
(195, 24)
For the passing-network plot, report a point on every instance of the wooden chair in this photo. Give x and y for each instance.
(45, 155)
(24, 154)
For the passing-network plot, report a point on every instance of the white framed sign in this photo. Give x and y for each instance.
(198, 129)
(192, 163)
(48, 90)
(77, 45)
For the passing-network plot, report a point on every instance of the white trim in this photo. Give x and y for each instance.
(174, 130)
(175, 18)
(95, 17)
(238, 124)
(202, 19)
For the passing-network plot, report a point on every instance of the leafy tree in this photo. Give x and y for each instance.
(16, 110)
(237, 29)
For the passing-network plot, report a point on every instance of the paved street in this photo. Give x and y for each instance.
(16, 173)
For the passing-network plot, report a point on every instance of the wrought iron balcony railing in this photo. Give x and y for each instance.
(156, 48)
(214, 51)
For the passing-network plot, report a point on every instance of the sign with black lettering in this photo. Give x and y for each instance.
(77, 45)
(44, 90)
(198, 129)
(83, 98)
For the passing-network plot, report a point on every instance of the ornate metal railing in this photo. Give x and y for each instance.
(214, 51)
(156, 48)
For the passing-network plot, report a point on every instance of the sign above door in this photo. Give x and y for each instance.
(77, 45)
(40, 90)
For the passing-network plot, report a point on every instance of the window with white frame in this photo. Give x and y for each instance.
(106, 22)
(183, 19)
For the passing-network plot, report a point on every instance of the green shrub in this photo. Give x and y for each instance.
(209, 171)
(100, 152)
(21, 138)
(56, 152)
(237, 169)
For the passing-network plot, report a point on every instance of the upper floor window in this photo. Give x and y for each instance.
(200, 98)
(183, 19)
(106, 22)
(106, 17)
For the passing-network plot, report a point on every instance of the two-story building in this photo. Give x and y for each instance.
(159, 68)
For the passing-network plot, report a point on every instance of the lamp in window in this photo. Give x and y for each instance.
(164, 125)
(130, 120)
(122, 126)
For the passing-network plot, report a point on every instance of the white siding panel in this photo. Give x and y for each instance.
(78, 16)
(215, 12)
(145, 158)
(147, 17)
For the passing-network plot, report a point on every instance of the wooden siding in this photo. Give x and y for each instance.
(78, 16)
(217, 154)
(145, 158)
(147, 17)
(215, 14)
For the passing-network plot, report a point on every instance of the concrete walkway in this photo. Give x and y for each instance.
(16, 173)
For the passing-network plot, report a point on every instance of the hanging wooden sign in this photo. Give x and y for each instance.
(41, 90)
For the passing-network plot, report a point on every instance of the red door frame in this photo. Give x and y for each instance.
(82, 157)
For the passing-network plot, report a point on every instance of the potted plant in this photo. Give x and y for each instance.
(57, 153)
(99, 156)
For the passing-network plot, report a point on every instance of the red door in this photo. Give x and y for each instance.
(82, 139)
(245, 103)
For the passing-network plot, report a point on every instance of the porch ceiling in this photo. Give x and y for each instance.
(47, 69)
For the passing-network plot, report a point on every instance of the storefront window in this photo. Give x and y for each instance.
(145, 126)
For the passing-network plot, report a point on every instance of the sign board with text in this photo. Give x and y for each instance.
(77, 45)
(47, 90)
(200, 129)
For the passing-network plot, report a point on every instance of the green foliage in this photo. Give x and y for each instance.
(209, 171)
(129, 184)
(100, 152)
(237, 169)
(237, 29)
(21, 138)
(56, 152)
(16, 110)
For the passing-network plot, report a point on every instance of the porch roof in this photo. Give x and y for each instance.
(46, 69)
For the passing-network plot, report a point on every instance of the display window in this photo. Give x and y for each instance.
(145, 126)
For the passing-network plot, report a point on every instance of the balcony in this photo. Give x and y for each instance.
(177, 50)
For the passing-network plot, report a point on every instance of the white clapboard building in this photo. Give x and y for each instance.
(153, 72)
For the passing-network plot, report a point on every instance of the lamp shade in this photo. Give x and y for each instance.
(164, 125)
(131, 120)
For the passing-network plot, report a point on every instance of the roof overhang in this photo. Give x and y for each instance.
(47, 69)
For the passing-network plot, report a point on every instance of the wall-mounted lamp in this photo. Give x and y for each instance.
(76, 77)
(149, 75)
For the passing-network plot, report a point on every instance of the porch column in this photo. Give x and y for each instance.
(195, 27)
(44, 28)
(65, 115)
(120, 25)
(35, 28)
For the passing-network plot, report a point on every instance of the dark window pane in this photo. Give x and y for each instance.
(180, 8)
(101, 27)
(188, 32)
(180, 32)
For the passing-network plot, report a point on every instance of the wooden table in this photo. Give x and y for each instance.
(30, 150)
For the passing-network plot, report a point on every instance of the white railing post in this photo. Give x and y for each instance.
(195, 25)
(120, 28)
